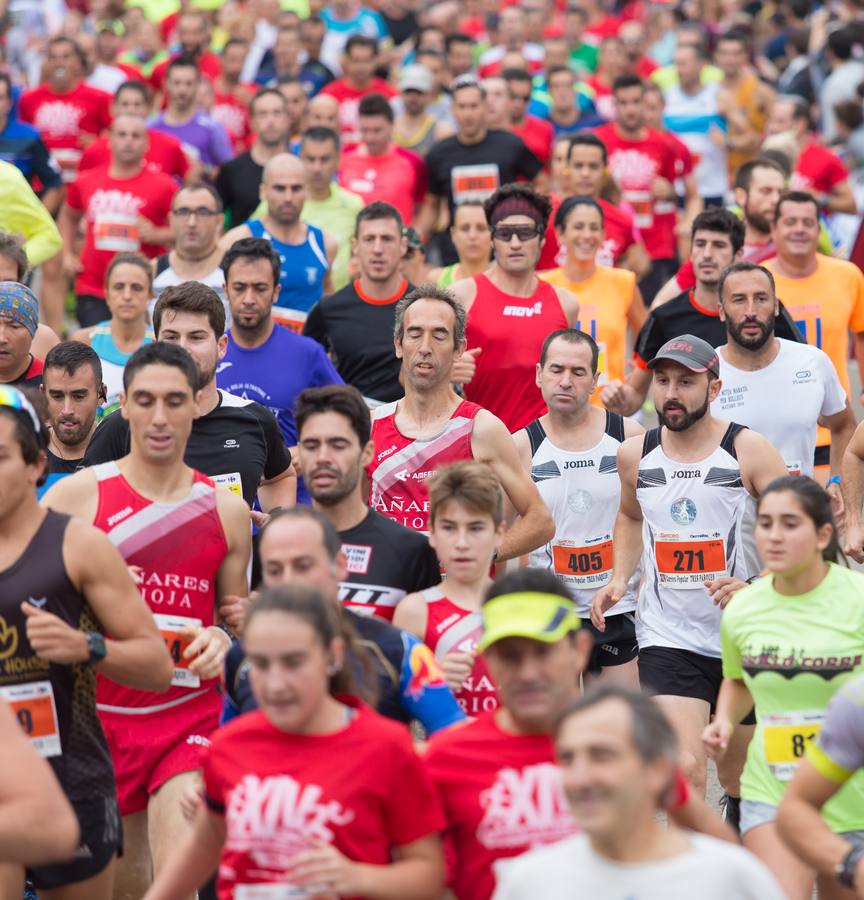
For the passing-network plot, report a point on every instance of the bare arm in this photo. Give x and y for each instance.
(852, 486)
(569, 304)
(67, 223)
(760, 462)
(733, 703)
(692, 200)
(696, 815)
(668, 292)
(636, 313)
(231, 579)
(411, 615)
(234, 234)
(37, 824)
(492, 443)
(428, 215)
(627, 397)
(280, 491)
(637, 260)
(858, 342)
(841, 199)
(842, 427)
(331, 247)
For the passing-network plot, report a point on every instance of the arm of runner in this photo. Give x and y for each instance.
(278, 492)
(858, 343)
(692, 201)
(232, 585)
(235, 234)
(636, 259)
(841, 199)
(136, 654)
(627, 535)
(423, 689)
(636, 312)
(67, 224)
(759, 461)
(331, 248)
(493, 444)
(733, 703)
(852, 487)
(627, 397)
(411, 615)
(428, 215)
(37, 824)
(569, 304)
(842, 427)
(75, 496)
(690, 811)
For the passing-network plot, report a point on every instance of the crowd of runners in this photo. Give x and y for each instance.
(429, 449)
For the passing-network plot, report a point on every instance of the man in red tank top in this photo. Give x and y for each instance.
(510, 311)
(465, 516)
(187, 542)
(432, 426)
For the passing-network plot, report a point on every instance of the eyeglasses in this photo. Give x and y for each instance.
(523, 232)
(201, 212)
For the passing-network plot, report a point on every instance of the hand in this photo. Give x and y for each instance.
(147, 231)
(207, 651)
(717, 137)
(715, 737)
(614, 397)
(295, 460)
(837, 505)
(465, 367)
(457, 667)
(720, 590)
(191, 800)
(662, 188)
(71, 265)
(232, 611)
(325, 872)
(854, 543)
(603, 601)
(259, 519)
(54, 640)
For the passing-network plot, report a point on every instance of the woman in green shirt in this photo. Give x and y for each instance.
(790, 641)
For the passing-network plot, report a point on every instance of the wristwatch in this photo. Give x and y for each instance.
(96, 646)
(845, 870)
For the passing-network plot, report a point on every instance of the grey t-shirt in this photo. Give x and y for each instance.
(571, 870)
(841, 739)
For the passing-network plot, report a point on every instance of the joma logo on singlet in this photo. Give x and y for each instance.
(687, 474)
(578, 463)
(524, 312)
(119, 516)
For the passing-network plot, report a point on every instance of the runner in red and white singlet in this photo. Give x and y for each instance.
(466, 514)
(431, 426)
(510, 311)
(187, 543)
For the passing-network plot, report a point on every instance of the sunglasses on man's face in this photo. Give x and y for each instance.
(523, 232)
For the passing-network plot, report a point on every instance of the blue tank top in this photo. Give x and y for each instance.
(301, 280)
(113, 362)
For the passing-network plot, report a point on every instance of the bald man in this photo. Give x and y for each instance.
(323, 111)
(305, 252)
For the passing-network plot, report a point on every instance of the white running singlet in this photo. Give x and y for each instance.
(691, 534)
(582, 492)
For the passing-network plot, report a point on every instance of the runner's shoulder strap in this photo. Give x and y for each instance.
(536, 435)
(728, 442)
(163, 262)
(615, 426)
(651, 441)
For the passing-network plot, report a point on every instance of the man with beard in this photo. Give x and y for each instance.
(757, 368)
(263, 362)
(716, 239)
(305, 252)
(684, 492)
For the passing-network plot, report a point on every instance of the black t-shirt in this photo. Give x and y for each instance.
(500, 158)
(386, 561)
(59, 466)
(358, 334)
(238, 184)
(682, 316)
(401, 29)
(237, 444)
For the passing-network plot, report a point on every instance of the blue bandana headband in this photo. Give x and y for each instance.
(18, 302)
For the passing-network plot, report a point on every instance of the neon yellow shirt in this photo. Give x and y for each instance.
(22, 212)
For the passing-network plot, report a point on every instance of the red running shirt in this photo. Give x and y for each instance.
(511, 331)
(452, 629)
(233, 114)
(164, 153)
(502, 795)
(818, 169)
(401, 465)
(177, 583)
(361, 789)
(111, 208)
(349, 104)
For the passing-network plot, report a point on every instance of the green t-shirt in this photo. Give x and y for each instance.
(584, 58)
(794, 654)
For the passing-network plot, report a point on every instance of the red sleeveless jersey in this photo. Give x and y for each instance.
(179, 548)
(401, 465)
(451, 629)
(510, 330)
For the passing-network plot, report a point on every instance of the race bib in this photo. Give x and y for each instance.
(116, 232)
(686, 561)
(171, 628)
(588, 566)
(230, 480)
(793, 468)
(474, 182)
(34, 707)
(292, 319)
(643, 207)
(67, 158)
(270, 892)
(786, 736)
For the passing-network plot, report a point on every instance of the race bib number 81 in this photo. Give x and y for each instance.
(786, 739)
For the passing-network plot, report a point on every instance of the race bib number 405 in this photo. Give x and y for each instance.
(173, 631)
(786, 738)
(584, 566)
(34, 707)
(686, 561)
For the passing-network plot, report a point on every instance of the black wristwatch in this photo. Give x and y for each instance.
(96, 646)
(845, 870)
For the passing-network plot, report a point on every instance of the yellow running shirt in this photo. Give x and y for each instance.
(604, 301)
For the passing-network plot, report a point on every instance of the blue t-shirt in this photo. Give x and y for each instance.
(274, 374)
(21, 145)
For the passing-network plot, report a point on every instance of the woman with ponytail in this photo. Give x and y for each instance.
(314, 794)
(790, 641)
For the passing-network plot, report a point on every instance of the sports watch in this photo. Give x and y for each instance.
(96, 646)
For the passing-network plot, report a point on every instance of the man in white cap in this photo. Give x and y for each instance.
(415, 128)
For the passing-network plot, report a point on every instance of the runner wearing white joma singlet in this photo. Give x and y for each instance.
(684, 489)
(571, 453)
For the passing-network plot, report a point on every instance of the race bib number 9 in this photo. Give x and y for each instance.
(584, 566)
(172, 629)
(786, 737)
(686, 561)
(34, 707)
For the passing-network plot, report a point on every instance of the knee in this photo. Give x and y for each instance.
(693, 768)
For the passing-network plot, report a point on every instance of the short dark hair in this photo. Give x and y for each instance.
(76, 47)
(266, 92)
(622, 82)
(199, 186)
(70, 356)
(234, 42)
(252, 248)
(527, 580)
(571, 336)
(375, 105)
(571, 203)
(430, 292)
(588, 139)
(130, 259)
(517, 75)
(377, 209)
(794, 197)
(721, 221)
(841, 43)
(744, 265)
(183, 61)
(360, 40)
(744, 173)
(191, 297)
(318, 134)
(161, 354)
(452, 39)
(339, 398)
(558, 70)
(466, 81)
(12, 247)
(540, 202)
(137, 86)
